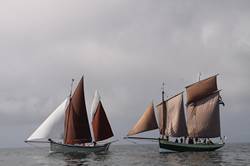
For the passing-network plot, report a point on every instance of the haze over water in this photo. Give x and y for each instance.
(134, 155)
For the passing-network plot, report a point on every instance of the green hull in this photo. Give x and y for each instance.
(181, 147)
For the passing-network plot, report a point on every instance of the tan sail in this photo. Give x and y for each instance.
(203, 118)
(76, 126)
(101, 127)
(146, 122)
(175, 122)
(162, 117)
(201, 89)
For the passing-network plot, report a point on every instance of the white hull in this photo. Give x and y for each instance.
(65, 148)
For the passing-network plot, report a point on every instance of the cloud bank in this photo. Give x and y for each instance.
(125, 50)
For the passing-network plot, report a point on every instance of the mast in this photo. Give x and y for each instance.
(67, 117)
(72, 81)
(199, 76)
(164, 112)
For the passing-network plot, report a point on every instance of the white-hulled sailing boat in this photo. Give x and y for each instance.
(67, 128)
(203, 118)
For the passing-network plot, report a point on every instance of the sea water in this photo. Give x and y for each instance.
(134, 155)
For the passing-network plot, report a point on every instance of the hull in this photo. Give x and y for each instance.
(182, 147)
(65, 148)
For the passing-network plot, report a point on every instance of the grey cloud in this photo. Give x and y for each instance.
(124, 49)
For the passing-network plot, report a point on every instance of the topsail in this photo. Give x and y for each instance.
(201, 89)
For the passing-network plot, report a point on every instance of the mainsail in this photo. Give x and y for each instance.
(76, 120)
(175, 123)
(146, 122)
(203, 116)
(52, 127)
(101, 127)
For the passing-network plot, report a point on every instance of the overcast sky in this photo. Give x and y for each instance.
(125, 50)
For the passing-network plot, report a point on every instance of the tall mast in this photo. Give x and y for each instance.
(199, 76)
(71, 87)
(163, 92)
(67, 124)
(164, 110)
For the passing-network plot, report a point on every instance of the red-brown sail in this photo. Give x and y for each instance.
(101, 127)
(76, 126)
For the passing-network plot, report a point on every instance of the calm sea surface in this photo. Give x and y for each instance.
(231, 154)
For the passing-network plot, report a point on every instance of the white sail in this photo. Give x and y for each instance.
(95, 102)
(53, 126)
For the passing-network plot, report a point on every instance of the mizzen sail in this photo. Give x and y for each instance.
(175, 120)
(52, 127)
(101, 127)
(203, 117)
(76, 120)
(146, 122)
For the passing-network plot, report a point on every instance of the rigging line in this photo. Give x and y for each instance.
(134, 142)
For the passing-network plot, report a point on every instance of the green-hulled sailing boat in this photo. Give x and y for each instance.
(203, 119)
